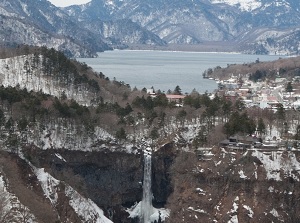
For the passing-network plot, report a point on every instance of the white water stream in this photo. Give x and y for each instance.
(146, 205)
(144, 209)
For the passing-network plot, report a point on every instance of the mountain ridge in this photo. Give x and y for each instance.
(198, 21)
(253, 26)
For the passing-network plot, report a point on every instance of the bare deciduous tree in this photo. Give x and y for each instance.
(24, 214)
(6, 213)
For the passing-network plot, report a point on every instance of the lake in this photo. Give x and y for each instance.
(165, 70)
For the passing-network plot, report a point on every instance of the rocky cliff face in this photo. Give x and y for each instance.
(113, 180)
(162, 162)
(208, 185)
(236, 186)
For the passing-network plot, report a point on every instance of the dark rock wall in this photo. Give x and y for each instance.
(161, 179)
(113, 180)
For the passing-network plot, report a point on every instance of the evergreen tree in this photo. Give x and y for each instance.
(239, 105)
(2, 118)
(177, 90)
(160, 101)
(121, 134)
(297, 135)
(22, 123)
(289, 87)
(261, 127)
(161, 119)
(9, 124)
(201, 139)
(226, 108)
(280, 113)
(154, 134)
(239, 124)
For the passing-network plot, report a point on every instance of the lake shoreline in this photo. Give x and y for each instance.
(218, 47)
(164, 70)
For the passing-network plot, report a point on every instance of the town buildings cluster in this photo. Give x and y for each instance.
(263, 94)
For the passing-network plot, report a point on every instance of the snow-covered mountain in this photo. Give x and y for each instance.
(41, 23)
(198, 21)
(244, 5)
(253, 26)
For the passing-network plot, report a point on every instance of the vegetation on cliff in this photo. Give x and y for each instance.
(51, 102)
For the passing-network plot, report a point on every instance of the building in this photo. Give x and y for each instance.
(178, 99)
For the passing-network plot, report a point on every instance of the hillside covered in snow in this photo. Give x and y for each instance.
(248, 26)
(73, 141)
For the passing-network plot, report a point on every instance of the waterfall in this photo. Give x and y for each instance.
(146, 204)
(144, 209)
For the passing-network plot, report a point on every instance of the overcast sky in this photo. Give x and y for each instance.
(64, 3)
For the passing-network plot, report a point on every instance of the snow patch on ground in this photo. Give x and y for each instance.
(271, 189)
(85, 208)
(250, 214)
(200, 191)
(13, 73)
(244, 5)
(218, 163)
(279, 162)
(11, 208)
(235, 206)
(60, 157)
(49, 184)
(242, 175)
(274, 213)
(234, 219)
(61, 133)
(197, 210)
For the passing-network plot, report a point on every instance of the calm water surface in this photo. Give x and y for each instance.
(165, 70)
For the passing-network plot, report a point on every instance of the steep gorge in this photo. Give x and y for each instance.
(111, 179)
(216, 185)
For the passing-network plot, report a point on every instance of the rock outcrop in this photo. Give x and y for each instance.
(236, 186)
(213, 185)
(113, 180)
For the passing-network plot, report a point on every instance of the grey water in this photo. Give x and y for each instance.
(165, 70)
